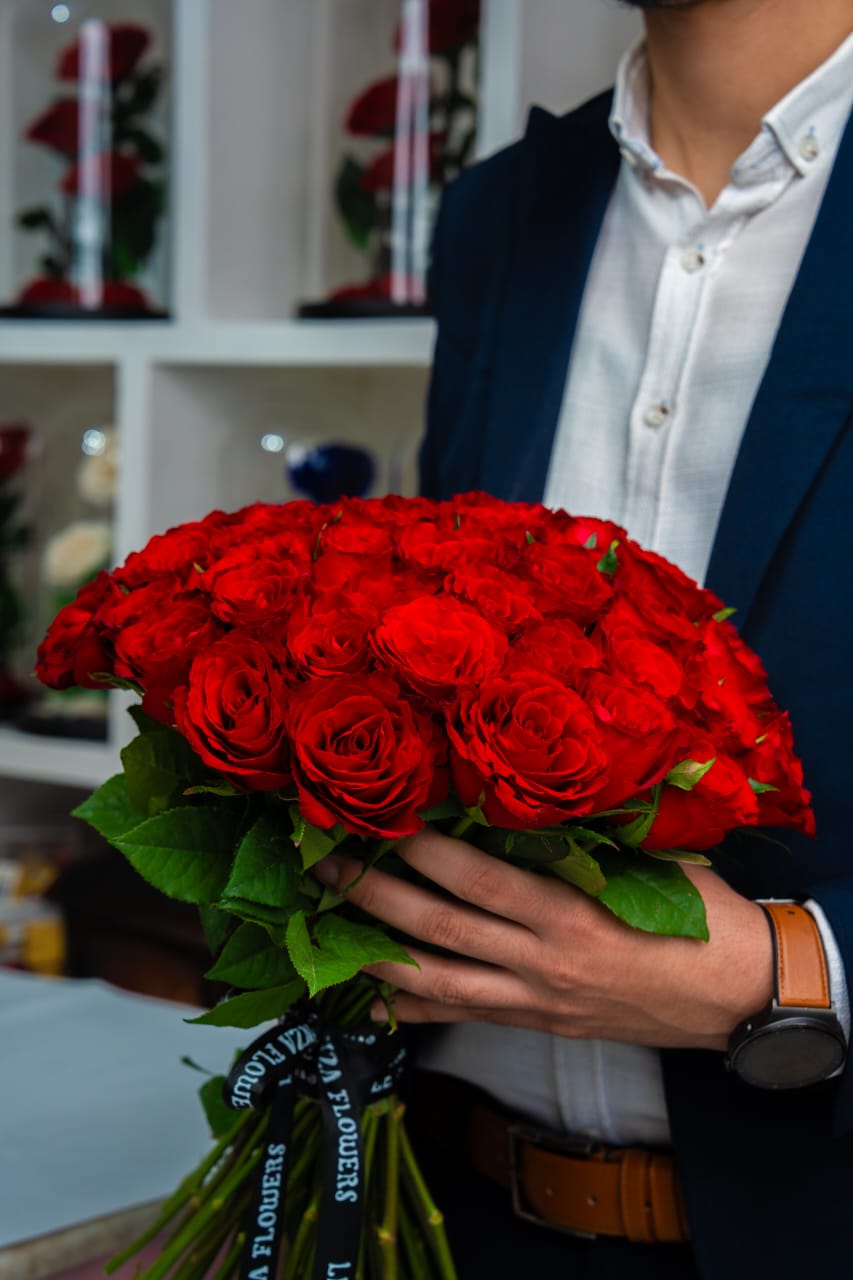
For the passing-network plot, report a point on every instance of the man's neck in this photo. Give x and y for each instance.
(719, 66)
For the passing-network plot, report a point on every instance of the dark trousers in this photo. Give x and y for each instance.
(490, 1243)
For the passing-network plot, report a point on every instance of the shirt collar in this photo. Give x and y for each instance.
(806, 125)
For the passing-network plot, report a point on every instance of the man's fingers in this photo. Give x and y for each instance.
(426, 916)
(482, 879)
(455, 984)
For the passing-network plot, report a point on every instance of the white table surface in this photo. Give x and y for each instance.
(97, 1112)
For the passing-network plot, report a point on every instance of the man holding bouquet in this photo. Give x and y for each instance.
(645, 315)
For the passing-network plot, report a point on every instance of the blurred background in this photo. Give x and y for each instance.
(214, 232)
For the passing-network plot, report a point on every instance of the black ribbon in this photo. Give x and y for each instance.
(345, 1069)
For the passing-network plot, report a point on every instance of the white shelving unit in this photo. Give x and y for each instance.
(255, 105)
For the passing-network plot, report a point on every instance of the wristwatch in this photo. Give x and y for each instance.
(796, 1039)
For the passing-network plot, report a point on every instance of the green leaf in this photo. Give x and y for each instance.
(609, 562)
(220, 1117)
(109, 809)
(633, 833)
(273, 919)
(251, 961)
(338, 950)
(591, 542)
(148, 148)
(475, 813)
(580, 869)
(652, 895)
(450, 807)
(251, 1008)
(357, 207)
(687, 773)
(313, 842)
(760, 788)
(34, 217)
(142, 720)
(224, 788)
(679, 855)
(263, 869)
(722, 614)
(157, 767)
(185, 853)
(217, 925)
(529, 538)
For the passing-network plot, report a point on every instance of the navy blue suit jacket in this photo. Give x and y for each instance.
(768, 1177)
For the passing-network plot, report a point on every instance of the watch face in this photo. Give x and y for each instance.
(788, 1055)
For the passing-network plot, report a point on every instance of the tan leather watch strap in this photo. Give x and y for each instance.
(801, 975)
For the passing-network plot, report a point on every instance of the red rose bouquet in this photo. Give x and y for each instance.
(321, 677)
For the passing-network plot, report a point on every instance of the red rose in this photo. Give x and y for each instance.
(58, 127)
(699, 819)
(252, 587)
(348, 549)
(232, 711)
(74, 649)
(157, 649)
(639, 734)
(433, 546)
(433, 645)
(774, 763)
(452, 24)
(333, 640)
(374, 112)
(628, 652)
(560, 648)
(363, 756)
(734, 698)
(581, 531)
(529, 748)
(112, 173)
(379, 173)
(661, 589)
(14, 444)
(501, 597)
(128, 42)
(569, 582)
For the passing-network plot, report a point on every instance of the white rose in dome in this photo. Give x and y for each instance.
(77, 553)
(97, 474)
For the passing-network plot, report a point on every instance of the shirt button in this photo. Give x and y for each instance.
(809, 147)
(656, 415)
(692, 260)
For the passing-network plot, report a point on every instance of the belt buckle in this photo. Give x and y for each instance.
(580, 1148)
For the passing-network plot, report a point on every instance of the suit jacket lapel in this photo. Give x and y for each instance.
(566, 174)
(804, 401)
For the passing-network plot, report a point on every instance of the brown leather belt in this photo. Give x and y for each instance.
(585, 1188)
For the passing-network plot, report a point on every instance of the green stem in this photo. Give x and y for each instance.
(414, 1246)
(459, 827)
(180, 1196)
(432, 1216)
(303, 1245)
(203, 1218)
(232, 1258)
(387, 1229)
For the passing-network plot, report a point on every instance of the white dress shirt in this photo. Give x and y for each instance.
(675, 331)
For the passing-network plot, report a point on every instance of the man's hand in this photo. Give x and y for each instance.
(530, 951)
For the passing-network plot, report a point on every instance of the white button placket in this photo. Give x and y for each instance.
(677, 303)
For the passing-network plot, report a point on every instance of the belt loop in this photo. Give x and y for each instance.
(635, 1194)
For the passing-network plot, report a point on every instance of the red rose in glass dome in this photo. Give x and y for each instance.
(452, 24)
(433, 645)
(128, 42)
(363, 756)
(112, 173)
(232, 711)
(47, 291)
(374, 111)
(527, 750)
(58, 127)
(379, 173)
